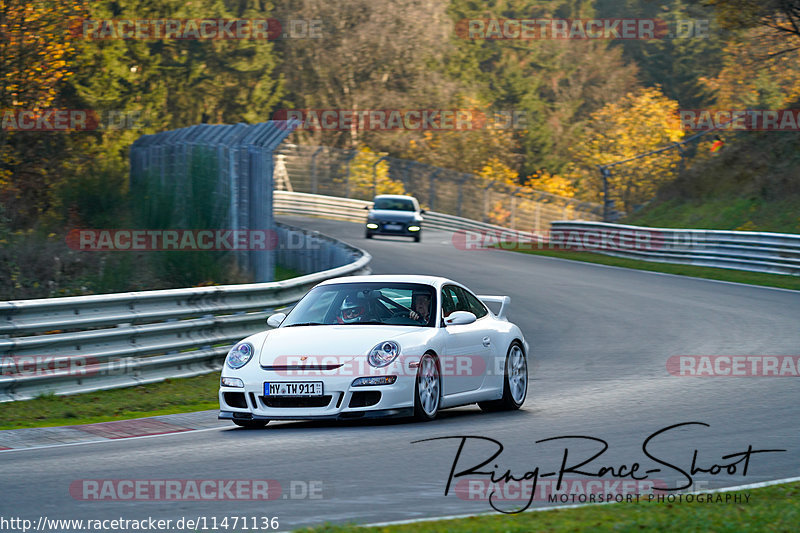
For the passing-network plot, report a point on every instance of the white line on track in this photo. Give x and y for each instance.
(112, 440)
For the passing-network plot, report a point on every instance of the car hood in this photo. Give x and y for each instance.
(394, 216)
(345, 342)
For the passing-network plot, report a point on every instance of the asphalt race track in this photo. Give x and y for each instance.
(600, 339)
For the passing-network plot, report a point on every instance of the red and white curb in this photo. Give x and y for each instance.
(33, 438)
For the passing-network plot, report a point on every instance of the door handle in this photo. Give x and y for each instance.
(487, 341)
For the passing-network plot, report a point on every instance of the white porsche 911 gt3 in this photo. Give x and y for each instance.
(367, 346)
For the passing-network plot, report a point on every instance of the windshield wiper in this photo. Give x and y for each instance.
(305, 324)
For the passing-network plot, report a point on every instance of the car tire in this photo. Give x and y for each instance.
(251, 424)
(368, 235)
(417, 237)
(515, 381)
(427, 398)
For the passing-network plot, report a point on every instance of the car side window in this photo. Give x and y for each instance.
(449, 300)
(454, 299)
(476, 307)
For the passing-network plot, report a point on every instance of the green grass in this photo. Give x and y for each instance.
(773, 508)
(168, 397)
(751, 185)
(744, 213)
(724, 274)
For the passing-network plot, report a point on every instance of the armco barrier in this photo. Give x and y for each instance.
(297, 203)
(774, 253)
(86, 343)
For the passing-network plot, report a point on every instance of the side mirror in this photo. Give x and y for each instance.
(367, 207)
(276, 319)
(421, 211)
(460, 318)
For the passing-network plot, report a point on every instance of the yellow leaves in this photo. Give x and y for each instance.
(550, 183)
(366, 176)
(637, 123)
(495, 171)
(499, 215)
(37, 50)
(748, 79)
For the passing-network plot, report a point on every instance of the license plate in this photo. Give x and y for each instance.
(294, 388)
(393, 227)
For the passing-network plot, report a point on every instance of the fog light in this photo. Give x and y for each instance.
(232, 382)
(413, 228)
(374, 380)
(372, 226)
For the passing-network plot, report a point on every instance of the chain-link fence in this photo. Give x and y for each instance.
(209, 177)
(349, 174)
(628, 185)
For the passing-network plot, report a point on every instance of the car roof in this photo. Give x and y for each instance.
(434, 281)
(395, 196)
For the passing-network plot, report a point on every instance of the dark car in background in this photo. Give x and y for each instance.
(395, 214)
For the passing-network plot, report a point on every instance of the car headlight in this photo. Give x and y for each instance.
(372, 225)
(232, 382)
(413, 228)
(239, 355)
(383, 354)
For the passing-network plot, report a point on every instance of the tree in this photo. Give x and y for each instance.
(781, 17)
(366, 179)
(35, 57)
(637, 123)
(371, 55)
(689, 48)
(555, 83)
(746, 80)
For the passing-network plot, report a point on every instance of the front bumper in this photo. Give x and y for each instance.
(402, 230)
(350, 415)
(340, 399)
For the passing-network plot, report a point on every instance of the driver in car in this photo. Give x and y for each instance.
(353, 310)
(420, 306)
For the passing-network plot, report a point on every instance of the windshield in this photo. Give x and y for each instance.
(394, 204)
(400, 304)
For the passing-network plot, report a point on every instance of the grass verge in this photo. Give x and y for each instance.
(775, 508)
(168, 397)
(723, 274)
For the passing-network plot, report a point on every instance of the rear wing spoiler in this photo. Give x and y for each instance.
(504, 302)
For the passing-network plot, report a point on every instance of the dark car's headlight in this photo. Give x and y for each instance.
(383, 353)
(239, 355)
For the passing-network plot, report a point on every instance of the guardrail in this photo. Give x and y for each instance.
(297, 203)
(774, 253)
(87, 343)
